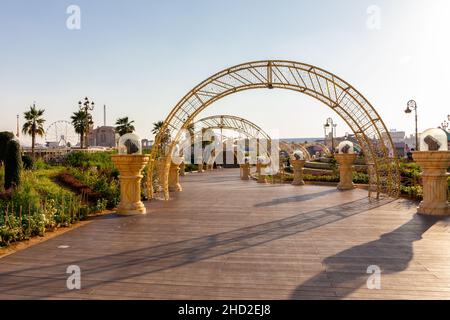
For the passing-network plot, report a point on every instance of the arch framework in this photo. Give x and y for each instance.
(337, 94)
(243, 126)
(325, 149)
(292, 147)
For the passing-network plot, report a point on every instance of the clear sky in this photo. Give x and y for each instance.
(141, 57)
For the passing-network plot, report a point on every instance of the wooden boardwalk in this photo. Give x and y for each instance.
(222, 238)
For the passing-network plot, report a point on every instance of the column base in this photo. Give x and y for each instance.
(176, 188)
(131, 209)
(298, 183)
(434, 210)
(345, 187)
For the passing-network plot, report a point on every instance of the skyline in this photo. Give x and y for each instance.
(127, 56)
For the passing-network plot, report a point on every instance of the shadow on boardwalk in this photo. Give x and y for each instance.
(136, 263)
(392, 253)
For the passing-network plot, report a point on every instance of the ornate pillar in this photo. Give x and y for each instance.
(245, 171)
(182, 169)
(160, 165)
(130, 168)
(174, 178)
(298, 172)
(434, 166)
(345, 161)
(262, 177)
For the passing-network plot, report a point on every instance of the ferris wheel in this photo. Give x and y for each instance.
(61, 134)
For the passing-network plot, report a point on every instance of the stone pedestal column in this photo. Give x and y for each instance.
(130, 168)
(262, 178)
(200, 168)
(245, 171)
(434, 166)
(298, 166)
(345, 161)
(174, 178)
(160, 166)
(182, 169)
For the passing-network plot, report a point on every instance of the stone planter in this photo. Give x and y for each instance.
(130, 169)
(245, 171)
(345, 161)
(174, 178)
(434, 166)
(298, 166)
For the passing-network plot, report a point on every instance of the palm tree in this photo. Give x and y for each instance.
(165, 137)
(34, 125)
(124, 126)
(79, 122)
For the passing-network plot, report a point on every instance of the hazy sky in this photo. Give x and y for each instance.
(141, 57)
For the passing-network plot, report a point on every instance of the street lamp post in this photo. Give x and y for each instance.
(330, 124)
(412, 105)
(86, 106)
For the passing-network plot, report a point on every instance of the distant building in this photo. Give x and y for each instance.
(104, 136)
(146, 145)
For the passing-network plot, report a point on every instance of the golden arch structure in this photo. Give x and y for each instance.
(292, 147)
(331, 90)
(324, 148)
(228, 122)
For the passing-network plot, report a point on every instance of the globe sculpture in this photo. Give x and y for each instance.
(346, 157)
(298, 163)
(130, 162)
(434, 159)
(130, 144)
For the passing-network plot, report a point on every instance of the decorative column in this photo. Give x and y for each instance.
(160, 164)
(174, 178)
(434, 166)
(345, 161)
(262, 178)
(130, 168)
(182, 169)
(298, 172)
(245, 171)
(434, 159)
(200, 168)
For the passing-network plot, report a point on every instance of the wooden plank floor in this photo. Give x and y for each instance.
(222, 238)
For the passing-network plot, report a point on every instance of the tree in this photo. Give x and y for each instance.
(80, 122)
(165, 137)
(124, 126)
(13, 165)
(5, 137)
(34, 125)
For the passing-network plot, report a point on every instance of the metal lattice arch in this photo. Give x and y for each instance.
(242, 126)
(228, 122)
(324, 148)
(292, 147)
(331, 90)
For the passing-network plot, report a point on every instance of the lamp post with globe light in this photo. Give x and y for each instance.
(87, 106)
(410, 107)
(330, 124)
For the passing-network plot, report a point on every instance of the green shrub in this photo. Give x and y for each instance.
(28, 162)
(13, 165)
(99, 160)
(39, 205)
(5, 137)
(102, 182)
